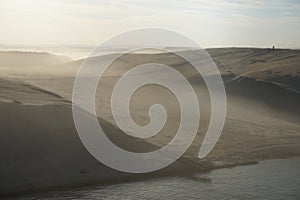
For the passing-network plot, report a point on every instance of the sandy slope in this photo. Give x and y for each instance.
(262, 120)
(40, 147)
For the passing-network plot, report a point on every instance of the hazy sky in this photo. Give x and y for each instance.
(212, 23)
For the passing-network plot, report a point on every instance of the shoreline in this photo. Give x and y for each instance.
(139, 178)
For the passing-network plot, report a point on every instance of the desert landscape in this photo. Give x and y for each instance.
(40, 148)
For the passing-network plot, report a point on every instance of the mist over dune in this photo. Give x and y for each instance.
(262, 119)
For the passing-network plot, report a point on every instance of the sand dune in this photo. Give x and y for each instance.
(280, 66)
(40, 147)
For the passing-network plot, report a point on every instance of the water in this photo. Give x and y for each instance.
(273, 179)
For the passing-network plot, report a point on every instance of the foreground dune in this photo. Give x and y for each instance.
(40, 147)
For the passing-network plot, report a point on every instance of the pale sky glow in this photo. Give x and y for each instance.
(256, 23)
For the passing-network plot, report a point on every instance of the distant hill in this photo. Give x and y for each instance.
(16, 62)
